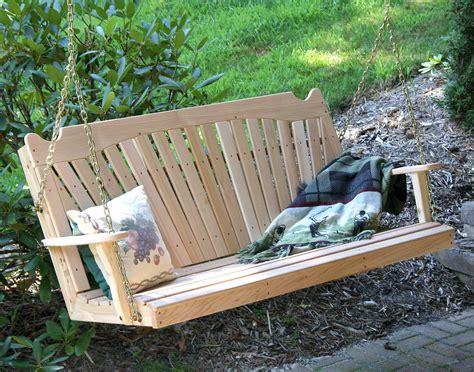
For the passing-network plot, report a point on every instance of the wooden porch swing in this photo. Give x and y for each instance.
(211, 195)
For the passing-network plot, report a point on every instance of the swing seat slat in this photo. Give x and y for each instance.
(215, 176)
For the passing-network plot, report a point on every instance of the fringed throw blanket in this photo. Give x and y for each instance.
(342, 204)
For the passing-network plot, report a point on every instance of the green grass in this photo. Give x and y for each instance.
(267, 46)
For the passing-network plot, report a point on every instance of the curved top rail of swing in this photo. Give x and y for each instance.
(72, 143)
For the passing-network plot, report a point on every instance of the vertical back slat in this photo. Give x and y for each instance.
(331, 145)
(55, 212)
(251, 177)
(263, 167)
(170, 200)
(75, 186)
(229, 149)
(289, 156)
(198, 193)
(85, 173)
(168, 231)
(302, 151)
(312, 127)
(273, 148)
(225, 184)
(212, 190)
(68, 201)
(184, 196)
(120, 168)
(111, 185)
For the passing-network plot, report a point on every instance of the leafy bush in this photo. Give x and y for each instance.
(23, 258)
(434, 64)
(459, 92)
(48, 349)
(126, 67)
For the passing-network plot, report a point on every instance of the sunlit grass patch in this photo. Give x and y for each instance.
(272, 46)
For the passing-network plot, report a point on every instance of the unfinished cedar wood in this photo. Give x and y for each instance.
(216, 176)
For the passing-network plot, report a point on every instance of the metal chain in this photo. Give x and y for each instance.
(360, 87)
(386, 25)
(71, 74)
(411, 114)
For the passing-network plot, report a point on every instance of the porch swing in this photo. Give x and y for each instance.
(214, 194)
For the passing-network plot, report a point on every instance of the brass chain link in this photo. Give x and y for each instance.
(360, 87)
(71, 74)
(386, 25)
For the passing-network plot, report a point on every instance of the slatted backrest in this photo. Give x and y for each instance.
(215, 175)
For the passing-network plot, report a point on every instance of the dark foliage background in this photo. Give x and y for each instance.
(459, 92)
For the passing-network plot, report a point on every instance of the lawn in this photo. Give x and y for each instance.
(267, 46)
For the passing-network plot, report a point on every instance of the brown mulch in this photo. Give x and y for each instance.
(320, 320)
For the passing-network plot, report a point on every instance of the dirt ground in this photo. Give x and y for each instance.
(320, 320)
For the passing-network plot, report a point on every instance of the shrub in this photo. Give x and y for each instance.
(459, 91)
(126, 67)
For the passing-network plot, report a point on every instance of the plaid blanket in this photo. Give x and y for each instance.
(342, 204)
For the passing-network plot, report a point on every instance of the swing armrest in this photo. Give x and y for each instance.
(416, 168)
(101, 238)
(418, 175)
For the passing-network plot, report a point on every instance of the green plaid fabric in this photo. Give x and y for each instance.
(343, 203)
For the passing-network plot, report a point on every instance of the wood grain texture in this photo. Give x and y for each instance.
(212, 188)
(68, 241)
(263, 167)
(164, 222)
(227, 295)
(287, 147)
(219, 167)
(162, 185)
(229, 148)
(315, 149)
(72, 143)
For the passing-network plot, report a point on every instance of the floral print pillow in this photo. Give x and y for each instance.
(147, 261)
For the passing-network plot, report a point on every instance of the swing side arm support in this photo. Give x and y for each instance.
(103, 246)
(419, 179)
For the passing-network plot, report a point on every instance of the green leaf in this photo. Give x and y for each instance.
(112, 77)
(179, 39)
(54, 17)
(142, 70)
(170, 83)
(101, 13)
(28, 240)
(3, 122)
(94, 108)
(45, 289)
(130, 10)
(100, 30)
(122, 108)
(110, 26)
(209, 81)
(52, 368)
(54, 74)
(54, 330)
(22, 340)
(107, 102)
(98, 78)
(83, 342)
(69, 349)
(119, 4)
(32, 265)
(202, 43)
(14, 7)
(64, 318)
(37, 350)
(4, 18)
